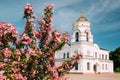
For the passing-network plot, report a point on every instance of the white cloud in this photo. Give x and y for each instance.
(102, 7)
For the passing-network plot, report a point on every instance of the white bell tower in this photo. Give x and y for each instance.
(81, 31)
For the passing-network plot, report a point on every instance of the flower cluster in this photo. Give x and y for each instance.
(2, 77)
(38, 34)
(6, 28)
(31, 56)
(8, 34)
(6, 52)
(25, 39)
(28, 11)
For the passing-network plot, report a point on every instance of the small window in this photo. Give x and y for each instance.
(106, 57)
(103, 66)
(76, 52)
(102, 56)
(76, 66)
(88, 66)
(77, 37)
(68, 55)
(99, 56)
(64, 56)
(106, 66)
(96, 55)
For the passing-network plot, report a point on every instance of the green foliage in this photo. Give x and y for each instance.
(115, 56)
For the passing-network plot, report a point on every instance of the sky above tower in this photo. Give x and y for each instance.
(104, 16)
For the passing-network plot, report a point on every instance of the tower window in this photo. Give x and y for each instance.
(77, 37)
(87, 37)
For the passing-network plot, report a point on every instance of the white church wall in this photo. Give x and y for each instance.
(60, 54)
(88, 66)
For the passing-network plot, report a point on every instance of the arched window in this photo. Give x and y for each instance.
(87, 37)
(106, 57)
(68, 55)
(64, 56)
(106, 66)
(102, 56)
(103, 66)
(77, 37)
(76, 66)
(96, 55)
(88, 66)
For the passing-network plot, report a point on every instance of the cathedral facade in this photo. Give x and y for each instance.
(94, 60)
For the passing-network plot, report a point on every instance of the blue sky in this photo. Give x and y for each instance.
(104, 16)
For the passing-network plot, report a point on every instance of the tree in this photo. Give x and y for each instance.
(32, 55)
(115, 56)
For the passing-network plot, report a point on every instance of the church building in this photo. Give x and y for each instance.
(94, 60)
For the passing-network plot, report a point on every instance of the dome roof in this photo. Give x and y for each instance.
(81, 19)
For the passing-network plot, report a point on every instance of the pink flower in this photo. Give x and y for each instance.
(26, 39)
(30, 8)
(51, 18)
(30, 19)
(43, 14)
(15, 69)
(49, 35)
(49, 6)
(49, 27)
(57, 36)
(2, 64)
(25, 43)
(14, 32)
(7, 28)
(29, 50)
(33, 72)
(55, 74)
(2, 77)
(6, 52)
(33, 16)
(18, 77)
(15, 62)
(42, 21)
(38, 34)
(58, 40)
(21, 50)
(38, 20)
(81, 54)
(18, 51)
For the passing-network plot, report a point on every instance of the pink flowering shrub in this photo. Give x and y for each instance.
(31, 56)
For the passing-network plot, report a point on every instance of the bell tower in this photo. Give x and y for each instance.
(81, 30)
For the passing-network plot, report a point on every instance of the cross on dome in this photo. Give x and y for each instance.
(81, 13)
(81, 18)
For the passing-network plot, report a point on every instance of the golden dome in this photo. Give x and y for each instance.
(81, 19)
